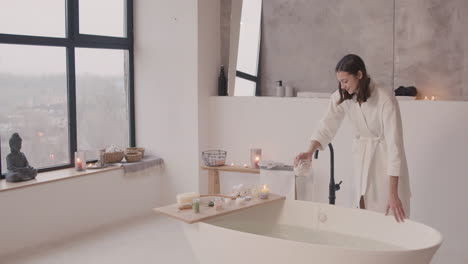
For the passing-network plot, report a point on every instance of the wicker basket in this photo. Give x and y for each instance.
(133, 156)
(214, 158)
(132, 150)
(113, 157)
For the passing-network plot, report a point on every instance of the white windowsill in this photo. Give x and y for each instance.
(52, 176)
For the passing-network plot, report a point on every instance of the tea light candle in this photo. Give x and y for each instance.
(255, 157)
(433, 98)
(232, 164)
(245, 165)
(264, 192)
(425, 97)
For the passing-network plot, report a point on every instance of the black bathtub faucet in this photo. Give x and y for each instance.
(332, 187)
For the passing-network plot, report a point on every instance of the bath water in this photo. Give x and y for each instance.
(312, 236)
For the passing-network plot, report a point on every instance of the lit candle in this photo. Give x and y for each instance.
(80, 161)
(245, 165)
(79, 164)
(255, 157)
(232, 164)
(425, 97)
(264, 192)
(433, 98)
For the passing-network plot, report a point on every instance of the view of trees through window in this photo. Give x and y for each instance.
(34, 82)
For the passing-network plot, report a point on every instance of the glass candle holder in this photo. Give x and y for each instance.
(264, 192)
(218, 204)
(227, 201)
(254, 192)
(80, 161)
(255, 157)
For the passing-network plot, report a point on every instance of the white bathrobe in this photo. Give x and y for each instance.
(378, 149)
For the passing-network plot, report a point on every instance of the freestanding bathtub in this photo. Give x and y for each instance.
(305, 232)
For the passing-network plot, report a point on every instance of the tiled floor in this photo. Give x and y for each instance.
(149, 239)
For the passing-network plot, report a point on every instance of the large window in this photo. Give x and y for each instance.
(66, 78)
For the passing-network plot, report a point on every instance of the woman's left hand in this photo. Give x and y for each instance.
(396, 206)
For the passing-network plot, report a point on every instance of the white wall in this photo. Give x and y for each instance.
(37, 215)
(281, 127)
(177, 58)
(209, 62)
(436, 147)
(166, 94)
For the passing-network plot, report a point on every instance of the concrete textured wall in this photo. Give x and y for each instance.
(420, 42)
(430, 46)
(302, 40)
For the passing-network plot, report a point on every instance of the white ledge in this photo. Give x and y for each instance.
(52, 176)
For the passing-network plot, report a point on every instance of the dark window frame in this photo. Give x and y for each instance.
(256, 79)
(72, 40)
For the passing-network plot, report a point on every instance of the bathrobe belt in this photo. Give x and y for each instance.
(365, 156)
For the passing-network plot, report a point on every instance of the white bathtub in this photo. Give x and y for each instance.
(305, 232)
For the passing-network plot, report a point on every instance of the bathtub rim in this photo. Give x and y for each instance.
(437, 242)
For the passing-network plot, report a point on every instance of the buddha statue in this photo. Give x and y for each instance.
(17, 164)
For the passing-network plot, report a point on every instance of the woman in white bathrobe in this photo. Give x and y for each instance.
(380, 168)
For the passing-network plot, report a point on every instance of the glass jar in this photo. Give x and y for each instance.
(196, 205)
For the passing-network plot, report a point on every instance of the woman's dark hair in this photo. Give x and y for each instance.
(352, 64)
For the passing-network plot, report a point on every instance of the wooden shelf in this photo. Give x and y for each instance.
(232, 169)
(213, 175)
(206, 213)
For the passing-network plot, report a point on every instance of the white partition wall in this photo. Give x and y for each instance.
(436, 146)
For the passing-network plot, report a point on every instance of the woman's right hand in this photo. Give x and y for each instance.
(302, 156)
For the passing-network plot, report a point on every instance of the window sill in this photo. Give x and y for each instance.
(53, 176)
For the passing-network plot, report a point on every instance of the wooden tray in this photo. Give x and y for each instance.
(190, 217)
